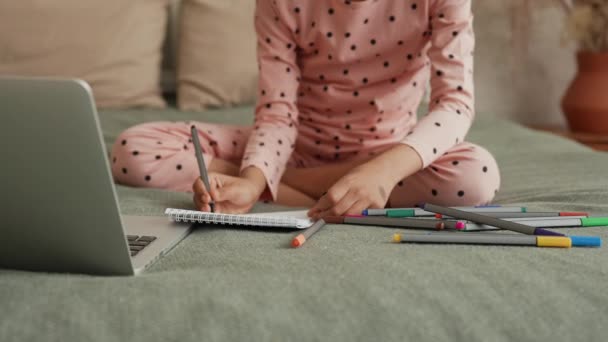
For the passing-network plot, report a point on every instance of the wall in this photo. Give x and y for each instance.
(513, 84)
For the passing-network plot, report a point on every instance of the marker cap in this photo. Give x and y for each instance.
(573, 213)
(553, 241)
(298, 241)
(397, 238)
(586, 241)
(594, 221)
(544, 232)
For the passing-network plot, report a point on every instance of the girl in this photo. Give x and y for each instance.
(335, 127)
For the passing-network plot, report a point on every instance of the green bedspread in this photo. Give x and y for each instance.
(349, 283)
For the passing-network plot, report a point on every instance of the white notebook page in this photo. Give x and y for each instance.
(285, 219)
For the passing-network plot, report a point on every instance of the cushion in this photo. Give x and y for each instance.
(169, 71)
(216, 60)
(114, 45)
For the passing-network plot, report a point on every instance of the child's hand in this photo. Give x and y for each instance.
(369, 185)
(362, 188)
(232, 195)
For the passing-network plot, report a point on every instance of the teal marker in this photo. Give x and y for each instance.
(417, 212)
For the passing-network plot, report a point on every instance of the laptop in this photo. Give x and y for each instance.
(59, 206)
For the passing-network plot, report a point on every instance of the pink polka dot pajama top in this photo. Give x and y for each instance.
(341, 80)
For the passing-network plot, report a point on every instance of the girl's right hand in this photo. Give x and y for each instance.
(232, 195)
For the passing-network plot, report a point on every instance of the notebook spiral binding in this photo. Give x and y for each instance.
(181, 215)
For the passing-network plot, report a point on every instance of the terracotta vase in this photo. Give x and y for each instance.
(585, 103)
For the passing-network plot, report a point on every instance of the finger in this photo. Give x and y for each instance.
(219, 208)
(217, 189)
(341, 207)
(313, 211)
(198, 187)
(321, 205)
(219, 182)
(213, 185)
(201, 191)
(197, 202)
(331, 198)
(200, 205)
(357, 208)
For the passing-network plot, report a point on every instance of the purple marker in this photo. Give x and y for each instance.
(491, 221)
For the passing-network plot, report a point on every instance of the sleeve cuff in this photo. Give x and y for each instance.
(423, 151)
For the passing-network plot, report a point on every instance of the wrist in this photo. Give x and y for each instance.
(395, 164)
(382, 169)
(256, 177)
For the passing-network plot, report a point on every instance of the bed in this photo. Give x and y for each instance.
(348, 283)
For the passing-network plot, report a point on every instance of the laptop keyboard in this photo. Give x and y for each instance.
(138, 243)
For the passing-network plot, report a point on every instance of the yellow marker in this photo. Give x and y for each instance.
(485, 239)
(553, 241)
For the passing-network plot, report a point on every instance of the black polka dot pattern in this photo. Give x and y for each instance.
(323, 64)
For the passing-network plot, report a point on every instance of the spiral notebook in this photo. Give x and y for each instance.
(288, 219)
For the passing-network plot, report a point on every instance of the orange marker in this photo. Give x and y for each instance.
(301, 238)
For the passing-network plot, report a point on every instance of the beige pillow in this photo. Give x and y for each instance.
(115, 45)
(216, 60)
(168, 80)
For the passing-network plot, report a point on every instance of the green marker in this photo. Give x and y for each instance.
(549, 222)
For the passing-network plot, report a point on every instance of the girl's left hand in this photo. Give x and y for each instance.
(362, 188)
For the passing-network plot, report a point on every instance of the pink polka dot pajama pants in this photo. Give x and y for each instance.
(161, 155)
